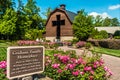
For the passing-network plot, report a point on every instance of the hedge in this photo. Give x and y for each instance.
(106, 43)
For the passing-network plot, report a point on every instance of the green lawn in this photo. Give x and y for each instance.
(112, 52)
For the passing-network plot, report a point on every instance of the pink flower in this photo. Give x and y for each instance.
(75, 73)
(83, 62)
(110, 72)
(47, 57)
(71, 66)
(92, 72)
(72, 60)
(80, 60)
(59, 71)
(3, 64)
(82, 73)
(101, 61)
(55, 66)
(55, 55)
(49, 61)
(87, 68)
(94, 65)
(91, 78)
(64, 59)
(105, 68)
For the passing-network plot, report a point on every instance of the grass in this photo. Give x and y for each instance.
(112, 52)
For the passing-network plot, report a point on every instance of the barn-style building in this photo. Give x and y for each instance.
(59, 24)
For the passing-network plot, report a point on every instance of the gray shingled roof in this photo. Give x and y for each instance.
(71, 15)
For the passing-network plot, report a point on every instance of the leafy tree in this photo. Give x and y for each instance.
(115, 22)
(83, 25)
(47, 13)
(4, 4)
(98, 21)
(107, 22)
(31, 10)
(22, 25)
(8, 26)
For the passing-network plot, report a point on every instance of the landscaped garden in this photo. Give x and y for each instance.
(66, 65)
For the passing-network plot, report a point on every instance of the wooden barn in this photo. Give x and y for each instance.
(59, 24)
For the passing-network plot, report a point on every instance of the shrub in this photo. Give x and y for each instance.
(100, 35)
(117, 37)
(104, 34)
(117, 33)
(66, 67)
(80, 44)
(106, 43)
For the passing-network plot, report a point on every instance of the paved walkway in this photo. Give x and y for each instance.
(112, 62)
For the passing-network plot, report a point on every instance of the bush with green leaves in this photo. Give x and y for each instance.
(117, 37)
(68, 66)
(100, 35)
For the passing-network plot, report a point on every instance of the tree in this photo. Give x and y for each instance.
(98, 21)
(47, 13)
(107, 22)
(115, 22)
(83, 26)
(8, 24)
(4, 4)
(31, 10)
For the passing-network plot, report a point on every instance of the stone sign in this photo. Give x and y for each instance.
(24, 61)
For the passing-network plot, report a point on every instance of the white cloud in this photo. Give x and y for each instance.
(103, 15)
(114, 7)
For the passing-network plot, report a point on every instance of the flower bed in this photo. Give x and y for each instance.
(61, 66)
(27, 42)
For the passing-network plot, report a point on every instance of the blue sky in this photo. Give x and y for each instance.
(105, 8)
